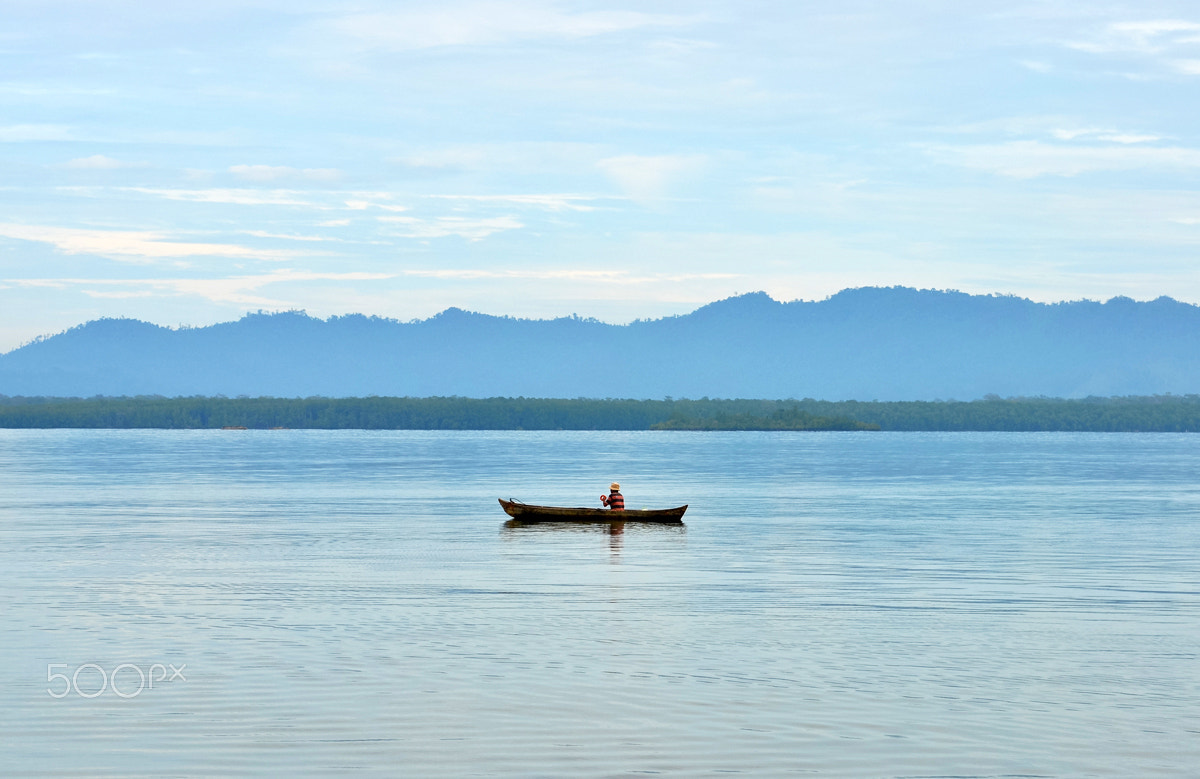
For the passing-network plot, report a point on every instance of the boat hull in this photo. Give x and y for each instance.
(526, 512)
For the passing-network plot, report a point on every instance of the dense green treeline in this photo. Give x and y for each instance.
(786, 418)
(1156, 413)
(1161, 413)
(370, 413)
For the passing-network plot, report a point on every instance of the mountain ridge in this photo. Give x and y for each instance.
(887, 343)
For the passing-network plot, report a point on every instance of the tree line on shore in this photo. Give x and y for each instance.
(1157, 413)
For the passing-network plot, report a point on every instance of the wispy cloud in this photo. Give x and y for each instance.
(488, 23)
(549, 202)
(1072, 133)
(1031, 159)
(334, 200)
(33, 89)
(1128, 137)
(233, 290)
(99, 162)
(288, 237)
(20, 133)
(242, 289)
(473, 229)
(1156, 34)
(558, 274)
(266, 173)
(359, 201)
(237, 197)
(1062, 128)
(1167, 41)
(318, 199)
(650, 178)
(132, 246)
(523, 157)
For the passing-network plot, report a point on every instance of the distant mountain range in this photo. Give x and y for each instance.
(866, 344)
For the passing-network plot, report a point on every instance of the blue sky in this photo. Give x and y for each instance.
(186, 162)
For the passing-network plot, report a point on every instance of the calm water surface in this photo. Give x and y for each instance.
(859, 605)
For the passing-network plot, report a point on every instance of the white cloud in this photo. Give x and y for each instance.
(444, 226)
(646, 178)
(1128, 138)
(242, 289)
(489, 22)
(236, 290)
(45, 90)
(238, 197)
(361, 202)
(265, 173)
(557, 274)
(323, 200)
(131, 246)
(523, 157)
(1030, 159)
(456, 157)
(1070, 134)
(124, 294)
(287, 237)
(1155, 38)
(349, 200)
(96, 162)
(550, 202)
(18, 133)
(1154, 35)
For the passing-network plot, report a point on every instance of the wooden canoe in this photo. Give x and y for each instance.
(526, 512)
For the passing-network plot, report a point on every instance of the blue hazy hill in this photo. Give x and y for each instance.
(871, 343)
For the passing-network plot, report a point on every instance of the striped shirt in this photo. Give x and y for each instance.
(616, 501)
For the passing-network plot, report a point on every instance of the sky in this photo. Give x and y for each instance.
(184, 163)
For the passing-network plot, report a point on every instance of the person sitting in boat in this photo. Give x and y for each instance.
(614, 499)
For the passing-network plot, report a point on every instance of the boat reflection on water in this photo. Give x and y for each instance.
(523, 526)
(616, 531)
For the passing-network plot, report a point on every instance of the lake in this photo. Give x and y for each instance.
(208, 603)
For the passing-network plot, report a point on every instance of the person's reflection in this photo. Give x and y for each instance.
(616, 537)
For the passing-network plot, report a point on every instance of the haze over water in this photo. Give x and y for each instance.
(844, 604)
